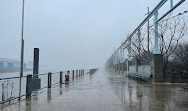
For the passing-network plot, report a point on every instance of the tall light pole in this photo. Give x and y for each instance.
(22, 51)
(148, 30)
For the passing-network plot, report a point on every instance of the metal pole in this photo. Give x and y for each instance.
(49, 79)
(115, 61)
(21, 69)
(61, 77)
(156, 32)
(22, 52)
(29, 86)
(119, 61)
(129, 49)
(122, 59)
(36, 63)
(73, 74)
(171, 3)
(139, 41)
(148, 30)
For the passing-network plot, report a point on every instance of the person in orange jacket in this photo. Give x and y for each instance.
(67, 76)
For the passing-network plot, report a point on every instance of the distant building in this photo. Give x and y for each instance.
(10, 63)
(29, 64)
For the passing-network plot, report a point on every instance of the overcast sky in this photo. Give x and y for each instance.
(71, 34)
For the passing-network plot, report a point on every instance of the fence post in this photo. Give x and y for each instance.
(76, 73)
(29, 86)
(61, 77)
(73, 74)
(49, 79)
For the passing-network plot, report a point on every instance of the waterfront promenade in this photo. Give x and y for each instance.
(106, 91)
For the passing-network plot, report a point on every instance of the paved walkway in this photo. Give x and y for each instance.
(105, 91)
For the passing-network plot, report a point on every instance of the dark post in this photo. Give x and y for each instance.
(36, 80)
(29, 85)
(76, 73)
(157, 68)
(148, 30)
(61, 77)
(83, 71)
(36, 63)
(49, 79)
(73, 74)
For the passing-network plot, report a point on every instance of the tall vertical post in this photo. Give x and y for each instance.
(29, 85)
(139, 41)
(171, 3)
(148, 30)
(22, 51)
(36, 79)
(49, 79)
(119, 61)
(130, 49)
(156, 32)
(61, 77)
(73, 74)
(115, 61)
(122, 59)
(36, 63)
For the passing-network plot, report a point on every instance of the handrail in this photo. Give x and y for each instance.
(13, 98)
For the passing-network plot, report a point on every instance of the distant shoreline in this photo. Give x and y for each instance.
(14, 70)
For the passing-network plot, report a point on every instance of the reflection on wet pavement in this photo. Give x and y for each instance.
(106, 91)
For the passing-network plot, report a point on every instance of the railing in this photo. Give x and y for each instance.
(9, 86)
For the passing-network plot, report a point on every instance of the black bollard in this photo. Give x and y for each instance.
(73, 74)
(61, 77)
(29, 88)
(36, 63)
(49, 79)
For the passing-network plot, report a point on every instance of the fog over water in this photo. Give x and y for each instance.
(70, 34)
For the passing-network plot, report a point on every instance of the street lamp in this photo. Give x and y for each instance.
(22, 51)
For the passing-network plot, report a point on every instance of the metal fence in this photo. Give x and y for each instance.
(9, 87)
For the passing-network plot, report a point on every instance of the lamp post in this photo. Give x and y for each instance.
(22, 51)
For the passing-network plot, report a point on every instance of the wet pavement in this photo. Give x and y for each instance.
(106, 91)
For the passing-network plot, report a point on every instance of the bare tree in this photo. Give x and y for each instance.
(181, 54)
(171, 31)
